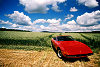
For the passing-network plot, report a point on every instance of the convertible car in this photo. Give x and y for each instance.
(66, 46)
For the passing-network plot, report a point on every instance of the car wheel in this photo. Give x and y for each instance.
(59, 53)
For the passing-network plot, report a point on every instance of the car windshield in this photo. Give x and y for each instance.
(65, 38)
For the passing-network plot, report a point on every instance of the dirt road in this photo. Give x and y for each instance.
(21, 58)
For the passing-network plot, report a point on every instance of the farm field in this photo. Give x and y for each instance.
(21, 58)
(34, 49)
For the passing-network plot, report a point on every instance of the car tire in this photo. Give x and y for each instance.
(59, 53)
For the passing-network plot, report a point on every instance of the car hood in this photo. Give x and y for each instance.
(75, 47)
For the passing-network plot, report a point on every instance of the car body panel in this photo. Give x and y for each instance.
(74, 48)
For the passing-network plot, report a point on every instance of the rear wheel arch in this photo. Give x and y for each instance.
(58, 48)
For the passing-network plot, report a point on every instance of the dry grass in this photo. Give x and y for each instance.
(21, 58)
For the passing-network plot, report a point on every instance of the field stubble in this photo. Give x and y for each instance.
(21, 58)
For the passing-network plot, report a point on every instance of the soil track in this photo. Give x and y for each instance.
(21, 58)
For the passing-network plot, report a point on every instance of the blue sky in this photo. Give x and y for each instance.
(50, 15)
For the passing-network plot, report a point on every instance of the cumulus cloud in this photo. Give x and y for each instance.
(89, 3)
(41, 6)
(59, 27)
(89, 28)
(37, 26)
(54, 21)
(88, 19)
(20, 18)
(52, 26)
(70, 26)
(73, 9)
(15, 25)
(39, 21)
(95, 27)
(55, 7)
(71, 22)
(5, 22)
(50, 21)
(21, 27)
(3, 27)
(85, 23)
(69, 16)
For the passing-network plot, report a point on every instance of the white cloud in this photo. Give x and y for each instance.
(50, 21)
(31, 28)
(69, 16)
(85, 23)
(89, 3)
(89, 19)
(41, 6)
(71, 22)
(50, 28)
(3, 27)
(95, 27)
(37, 28)
(89, 28)
(5, 22)
(59, 27)
(20, 18)
(55, 7)
(39, 21)
(20, 27)
(70, 26)
(15, 25)
(73, 9)
(52, 24)
(42, 26)
(53, 21)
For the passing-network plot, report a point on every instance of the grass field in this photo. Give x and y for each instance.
(25, 40)
(41, 42)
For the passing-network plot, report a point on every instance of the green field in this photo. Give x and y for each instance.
(42, 41)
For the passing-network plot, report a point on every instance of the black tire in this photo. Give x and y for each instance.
(59, 53)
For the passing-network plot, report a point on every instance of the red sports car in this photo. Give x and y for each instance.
(67, 47)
